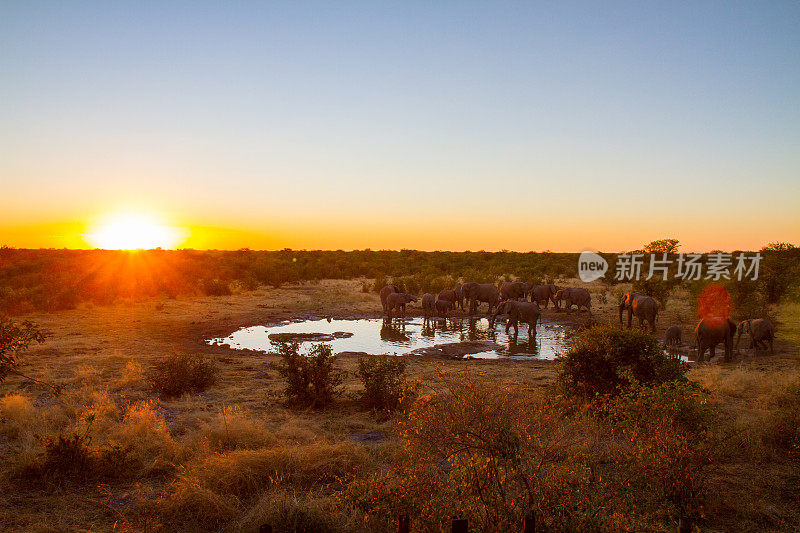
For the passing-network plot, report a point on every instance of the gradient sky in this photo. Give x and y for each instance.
(447, 125)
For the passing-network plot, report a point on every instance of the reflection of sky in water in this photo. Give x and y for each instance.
(375, 337)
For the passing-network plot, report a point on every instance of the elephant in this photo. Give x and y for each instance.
(513, 290)
(710, 332)
(428, 305)
(672, 337)
(459, 296)
(443, 306)
(449, 294)
(517, 312)
(481, 292)
(398, 300)
(761, 331)
(578, 296)
(385, 292)
(544, 293)
(644, 307)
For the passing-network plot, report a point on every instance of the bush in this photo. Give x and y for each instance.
(668, 444)
(67, 457)
(310, 380)
(179, 374)
(215, 287)
(15, 339)
(483, 450)
(384, 381)
(606, 360)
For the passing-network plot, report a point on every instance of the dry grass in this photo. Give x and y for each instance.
(234, 456)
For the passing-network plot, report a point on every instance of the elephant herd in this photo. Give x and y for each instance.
(710, 332)
(511, 299)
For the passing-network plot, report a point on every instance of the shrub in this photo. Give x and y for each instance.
(180, 373)
(606, 360)
(67, 457)
(384, 381)
(215, 287)
(483, 450)
(15, 339)
(310, 380)
(667, 443)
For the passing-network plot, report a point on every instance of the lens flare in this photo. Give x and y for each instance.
(134, 231)
(714, 303)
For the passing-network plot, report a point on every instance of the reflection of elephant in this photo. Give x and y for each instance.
(761, 331)
(449, 294)
(544, 293)
(578, 296)
(528, 347)
(644, 307)
(443, 306)
(385, 292)
(672, 337)
(428, 305)
(475, 293)
(712, 331)
(527, 312)
(513, 290)
(393, 334)
(398, 300)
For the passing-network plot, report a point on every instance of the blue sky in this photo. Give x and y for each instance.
(457, 125)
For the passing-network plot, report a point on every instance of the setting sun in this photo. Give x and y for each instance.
(134, 232)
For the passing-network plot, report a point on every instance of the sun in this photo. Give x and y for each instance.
(134, 231)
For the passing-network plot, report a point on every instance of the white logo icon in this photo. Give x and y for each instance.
(591, 266)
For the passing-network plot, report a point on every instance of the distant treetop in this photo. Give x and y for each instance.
(668, 246)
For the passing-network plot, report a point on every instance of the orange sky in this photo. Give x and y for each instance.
(520, 126)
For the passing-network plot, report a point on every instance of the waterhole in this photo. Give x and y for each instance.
(455, 337)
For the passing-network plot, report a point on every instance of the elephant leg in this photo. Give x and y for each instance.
(630, 317)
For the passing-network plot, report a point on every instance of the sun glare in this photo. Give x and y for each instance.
(134, 232)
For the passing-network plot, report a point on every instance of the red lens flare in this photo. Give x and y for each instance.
(714, 304)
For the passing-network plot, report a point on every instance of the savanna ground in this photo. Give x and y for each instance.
(236, 455)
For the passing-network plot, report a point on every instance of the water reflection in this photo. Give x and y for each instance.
(394, 331)
(401, 336)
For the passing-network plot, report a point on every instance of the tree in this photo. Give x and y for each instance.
(15, 339)
(667, 246)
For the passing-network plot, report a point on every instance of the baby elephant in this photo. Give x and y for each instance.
(443, 306)
(398, 300)
(428, 305)
(761, 332)
(449, 294)
(672, 337)
(527, 312)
